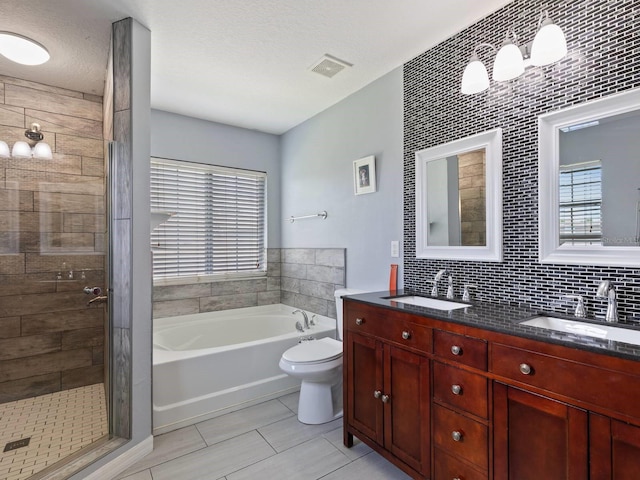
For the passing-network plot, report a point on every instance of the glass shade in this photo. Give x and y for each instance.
(475, 78)
(21, 150)
(22, 50)
(509, 63)
(42, 151)
(549, 44)
(4, 150)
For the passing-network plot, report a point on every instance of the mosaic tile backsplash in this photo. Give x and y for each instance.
(603, 58)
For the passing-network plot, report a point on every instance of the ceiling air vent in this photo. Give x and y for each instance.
(328, 66)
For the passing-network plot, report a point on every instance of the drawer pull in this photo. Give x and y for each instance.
(456, 435)
(377, 394)
(456, 350)
(525, 369)
(406, 335)
(457, 478)
(456, 389)
(385, 398)
(359, 321)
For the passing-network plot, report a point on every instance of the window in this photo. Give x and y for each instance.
(580, 203)
(218, 222)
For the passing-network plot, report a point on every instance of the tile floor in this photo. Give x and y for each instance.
(59, 425)
(263, 441)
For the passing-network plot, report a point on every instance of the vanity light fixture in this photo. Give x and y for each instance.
(21, 49)
(24, 150)
(548, 46)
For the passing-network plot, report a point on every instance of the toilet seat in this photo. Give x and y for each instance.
(314, 351)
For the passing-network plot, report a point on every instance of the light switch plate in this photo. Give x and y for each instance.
(395, 248)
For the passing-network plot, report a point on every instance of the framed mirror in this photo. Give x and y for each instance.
(459, 199)
(589, 182)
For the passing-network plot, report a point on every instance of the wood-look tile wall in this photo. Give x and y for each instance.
(52, 235)
(300, 277)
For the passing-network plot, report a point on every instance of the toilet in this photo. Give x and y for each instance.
(318, 363)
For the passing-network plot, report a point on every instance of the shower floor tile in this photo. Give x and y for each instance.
(59, 424)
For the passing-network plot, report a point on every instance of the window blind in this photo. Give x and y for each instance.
(581, 203)
(218, 221)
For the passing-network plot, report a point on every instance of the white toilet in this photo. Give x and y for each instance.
(318, 363)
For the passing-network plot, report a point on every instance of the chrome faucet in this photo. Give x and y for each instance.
(306, 318)
(438, 277)
(607, 290)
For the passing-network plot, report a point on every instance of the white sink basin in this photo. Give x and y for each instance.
(429, 302)
(577, 327)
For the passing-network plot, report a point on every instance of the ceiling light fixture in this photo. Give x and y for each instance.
(23, 50)
(548, 46)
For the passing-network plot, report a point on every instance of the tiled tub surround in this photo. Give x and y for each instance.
(52, 221)
(303, 278)
(435, 112)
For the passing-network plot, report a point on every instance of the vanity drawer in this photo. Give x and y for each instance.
(447, 467)
(466, 350)
(392, 328)
(460, 436)
(593, 384)
(461, 389)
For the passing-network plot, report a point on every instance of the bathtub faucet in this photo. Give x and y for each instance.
(306, 318)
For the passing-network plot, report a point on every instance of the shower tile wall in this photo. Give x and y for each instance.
(604, 58)
(52, 232)
(303, 278)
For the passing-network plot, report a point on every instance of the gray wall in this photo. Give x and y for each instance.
(317, 174)
(185, 138)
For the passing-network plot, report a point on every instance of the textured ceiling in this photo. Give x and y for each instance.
(240, 62)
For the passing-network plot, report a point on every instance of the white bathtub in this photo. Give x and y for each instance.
(208, 364)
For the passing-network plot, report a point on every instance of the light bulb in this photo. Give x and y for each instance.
(549, 44)
(475, 78)
(21, 150)
(42, 151)
(4, 150)
(509, 63)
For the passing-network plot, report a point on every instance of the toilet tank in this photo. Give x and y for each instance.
(339, 293)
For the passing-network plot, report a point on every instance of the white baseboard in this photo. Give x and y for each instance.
(121, 463)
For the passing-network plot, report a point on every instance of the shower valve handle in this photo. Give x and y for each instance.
(92, 290)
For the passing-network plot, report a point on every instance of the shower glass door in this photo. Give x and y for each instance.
(53, 239)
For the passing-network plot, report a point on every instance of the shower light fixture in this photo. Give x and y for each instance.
(548, 46)
(34, 148)
(21, 49)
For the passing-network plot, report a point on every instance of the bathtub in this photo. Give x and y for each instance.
(208, 364)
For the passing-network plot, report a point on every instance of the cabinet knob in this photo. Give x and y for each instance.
(456, 389)
(406, 335)
(456, 478)
(456, 435)
(385, 398)
(359, 321)
(525, 369)
(456, 350)
(377, 394)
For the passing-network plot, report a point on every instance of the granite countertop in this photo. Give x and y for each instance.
(504, 318)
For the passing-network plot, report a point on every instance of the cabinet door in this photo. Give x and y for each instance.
(536, 437)
(406, 409)
(614, 448)
(363, 379)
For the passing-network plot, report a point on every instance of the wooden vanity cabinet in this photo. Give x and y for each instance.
(445, 401)
(536, 437)
(387, 388)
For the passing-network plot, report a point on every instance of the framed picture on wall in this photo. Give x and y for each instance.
(364, 175)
